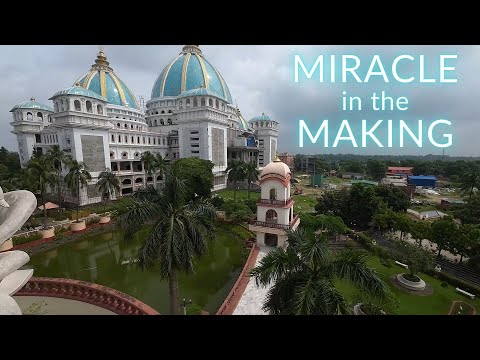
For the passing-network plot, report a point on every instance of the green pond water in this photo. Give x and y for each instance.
(98, 259)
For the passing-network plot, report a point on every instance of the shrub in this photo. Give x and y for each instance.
(237, 211)
(194, 309)
(23, 239)
(456, 282)
(92, 220)
(386, 262)
(217, 201)
(444, 284)
(251, 204)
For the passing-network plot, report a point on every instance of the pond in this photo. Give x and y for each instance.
(98, 259)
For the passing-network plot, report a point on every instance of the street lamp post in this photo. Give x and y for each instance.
(184, 304)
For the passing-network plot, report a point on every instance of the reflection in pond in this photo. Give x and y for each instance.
(99, 258)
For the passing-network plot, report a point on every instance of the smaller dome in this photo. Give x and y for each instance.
(199, 91)
(276, 167)
(242, 122)
(78, 90)
(262, 117)
(32, 104)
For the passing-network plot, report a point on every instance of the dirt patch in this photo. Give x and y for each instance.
(461, 308)
(425, 292)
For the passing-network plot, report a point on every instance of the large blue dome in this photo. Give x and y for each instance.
(188, 71)
(102, 80)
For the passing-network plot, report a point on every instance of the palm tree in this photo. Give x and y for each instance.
(77, 178)
(304, 275)
(470, 179)
(251, 174)
(58, 157)
(108, 184)
(236, 171)
(179, 233)
(41, 170)
(160, 163)
(149, 163)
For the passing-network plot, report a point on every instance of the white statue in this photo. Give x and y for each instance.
(15, 209)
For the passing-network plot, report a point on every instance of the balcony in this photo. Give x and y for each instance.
(275, 202)
(274, 224)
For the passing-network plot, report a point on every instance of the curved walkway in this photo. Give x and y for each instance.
(43, 305)
(252, 299)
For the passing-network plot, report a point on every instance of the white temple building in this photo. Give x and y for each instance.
(100, 122)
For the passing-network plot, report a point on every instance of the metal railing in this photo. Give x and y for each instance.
(275, 202)
(274, 224)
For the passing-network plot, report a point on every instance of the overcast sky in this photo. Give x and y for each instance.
(260, 79)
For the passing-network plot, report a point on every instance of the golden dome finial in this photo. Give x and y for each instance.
(101, 59)
(191, 49)
(77, 84)
(277, 159)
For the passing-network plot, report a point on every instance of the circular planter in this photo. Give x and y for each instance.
(104, 220)
(48, 233)
(411, 285)
(78, 226)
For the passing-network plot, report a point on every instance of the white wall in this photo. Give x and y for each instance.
(282, 191)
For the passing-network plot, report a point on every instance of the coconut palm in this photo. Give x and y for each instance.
(58, 157)
(304, 276)
(236, 172)
(160, 163)
(470, 180)
(149, 164)
(251, 174)
(41, 170)
(108, 184)
(77, 177)
(179, 231)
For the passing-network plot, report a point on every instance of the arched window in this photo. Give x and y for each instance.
(126, 182)
(125, 126)
(223, 106)
(119, 138)
(118, 125)
(163, 141)
(113, 138)
(154, 141)
(139, 180)
(136, 155)
(148, 141)
(256, 124)
(216, 104)
(273, 194)
(144, 139)
(162, 122)
(29, 116)
(261, 123)
(67, 105)
(124, 155)
(112, 155)
(188, 102)
(126, 139)
(156, 112)
(76, 104)
(169, 111)
(138, 139)
(180, 104)
(39, 116)
(55, 106)
(203, 101)
(99, 109)
(89, 106)
(155, 122)
(169, 121)
(210, 102)
(162, 112)
(133, 140)
(271, 216)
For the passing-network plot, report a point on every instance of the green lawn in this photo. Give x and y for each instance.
(436, 304)
(303, 203)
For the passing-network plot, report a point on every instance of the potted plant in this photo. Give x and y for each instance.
(76, 179)
(108, 184)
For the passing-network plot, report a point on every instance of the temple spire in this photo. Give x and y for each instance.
(191, 49)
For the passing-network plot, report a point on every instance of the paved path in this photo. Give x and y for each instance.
(45, 305)
(252, 299)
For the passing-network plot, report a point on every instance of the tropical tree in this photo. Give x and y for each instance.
(149, 164)
(304, 276)
(251, 175)
(160, 163)
(332, 224)
(420, 230)
(443, 233)
(198, 177)
(469, 237)
(179, 233)
(236, 172)
(40, 168)
(108, 184)
(77, 177)
(470, 179)
(58, 157)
